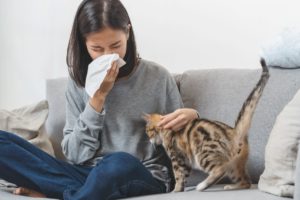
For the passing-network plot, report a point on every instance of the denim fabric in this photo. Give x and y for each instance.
(117, 175)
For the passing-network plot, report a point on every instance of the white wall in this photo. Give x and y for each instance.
(178, 34)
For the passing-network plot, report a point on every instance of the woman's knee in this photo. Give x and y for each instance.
(4, 136)
(6, 149)
(121, 157)
(121, 163)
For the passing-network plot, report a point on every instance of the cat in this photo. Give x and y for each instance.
(211, 146)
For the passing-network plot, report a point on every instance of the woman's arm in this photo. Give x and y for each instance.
(83, 127)
(84, 121)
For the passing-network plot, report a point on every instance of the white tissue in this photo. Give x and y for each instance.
(283, 50)
(97, 70)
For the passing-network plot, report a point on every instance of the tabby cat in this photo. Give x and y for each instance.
(211, 146)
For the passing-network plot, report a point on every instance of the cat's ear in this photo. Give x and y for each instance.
(146, 117)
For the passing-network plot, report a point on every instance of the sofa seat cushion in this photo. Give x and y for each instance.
(214, 193)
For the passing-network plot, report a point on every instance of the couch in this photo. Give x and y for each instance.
(217, 94)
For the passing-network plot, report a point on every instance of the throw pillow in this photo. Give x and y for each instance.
(283, 51)
(28, 123)
(281, 151)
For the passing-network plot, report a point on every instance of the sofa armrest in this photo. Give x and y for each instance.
(297, 177)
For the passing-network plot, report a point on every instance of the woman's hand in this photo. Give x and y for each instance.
(97, 101)
(178, 119)
(109, 80)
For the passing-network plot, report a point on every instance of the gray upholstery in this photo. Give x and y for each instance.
(55, 94)
(297, 177)
(217, 94)
(214, 193)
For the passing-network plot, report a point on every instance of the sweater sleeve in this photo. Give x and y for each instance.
(173, 99)
(82, 129)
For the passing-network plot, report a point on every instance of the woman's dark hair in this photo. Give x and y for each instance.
(92, 16)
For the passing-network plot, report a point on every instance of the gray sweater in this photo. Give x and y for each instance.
(89, 135)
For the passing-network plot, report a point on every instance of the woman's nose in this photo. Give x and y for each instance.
(108, 52)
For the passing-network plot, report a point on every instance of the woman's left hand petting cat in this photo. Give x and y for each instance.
(178, 119)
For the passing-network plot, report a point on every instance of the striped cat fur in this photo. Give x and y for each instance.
(211, 146)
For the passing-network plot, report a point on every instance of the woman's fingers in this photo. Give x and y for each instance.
(112, 72)
(176, 123)
(178, 119)
(167, 119)
(109, 79)
(115, 70)
(178, 126)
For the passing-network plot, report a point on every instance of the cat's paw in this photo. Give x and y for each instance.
(237, 186)
(178, 189)
(201, 186)
(228, 187)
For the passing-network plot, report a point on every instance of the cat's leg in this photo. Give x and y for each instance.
(180, 171)
(238, 175)
(188, 170)
(244, 184)
(213, 177)
(240, 178)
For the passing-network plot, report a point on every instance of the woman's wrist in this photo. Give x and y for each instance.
(97, 101)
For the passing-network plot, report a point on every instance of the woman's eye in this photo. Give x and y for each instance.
(97, 50)
(116, 47)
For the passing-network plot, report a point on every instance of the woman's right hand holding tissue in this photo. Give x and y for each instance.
(97, 101)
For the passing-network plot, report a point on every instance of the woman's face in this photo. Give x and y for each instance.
(106, 41)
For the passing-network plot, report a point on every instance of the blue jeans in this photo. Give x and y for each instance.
(117, 175)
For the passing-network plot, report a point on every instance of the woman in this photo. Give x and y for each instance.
(109, 154)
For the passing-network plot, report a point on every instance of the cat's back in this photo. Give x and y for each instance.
(210, 130)
(210, 136)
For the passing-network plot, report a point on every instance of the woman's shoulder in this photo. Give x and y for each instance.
(71, 85)
(75, 90)
(153, 68)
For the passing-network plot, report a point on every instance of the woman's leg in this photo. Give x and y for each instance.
(27, 166)
(117, 175)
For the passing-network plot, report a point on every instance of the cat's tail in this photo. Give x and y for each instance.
(243, 121)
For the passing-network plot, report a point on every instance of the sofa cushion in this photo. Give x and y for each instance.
(283, 50)
(28, 122)
(281, 151)
(219, 94)
(55, 94)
